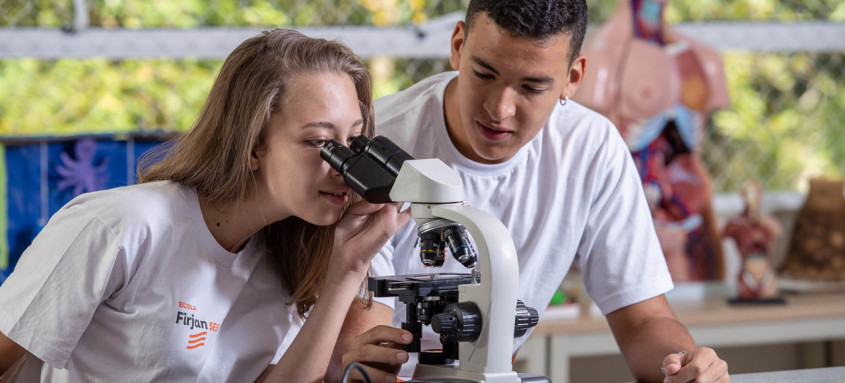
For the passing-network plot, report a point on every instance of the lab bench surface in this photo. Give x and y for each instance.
(711, 321)
(812, 375)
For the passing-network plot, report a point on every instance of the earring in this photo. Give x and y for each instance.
(564, 101)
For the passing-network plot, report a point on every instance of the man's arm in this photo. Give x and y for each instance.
(652, 340)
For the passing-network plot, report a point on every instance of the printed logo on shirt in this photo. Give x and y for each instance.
(196, 340)
(197, 337)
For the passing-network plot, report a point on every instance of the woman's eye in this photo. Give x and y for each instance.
(350, 139)
(318, 143)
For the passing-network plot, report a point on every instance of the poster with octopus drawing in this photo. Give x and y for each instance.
(39, 176)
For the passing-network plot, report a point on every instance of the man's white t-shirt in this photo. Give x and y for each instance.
(571, 194)
(129, 285)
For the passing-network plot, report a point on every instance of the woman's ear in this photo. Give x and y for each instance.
(257, 152)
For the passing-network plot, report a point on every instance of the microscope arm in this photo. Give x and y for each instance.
(436, 191)
(495, 295)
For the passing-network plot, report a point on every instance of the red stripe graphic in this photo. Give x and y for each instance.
(195, 346)
(196, 335)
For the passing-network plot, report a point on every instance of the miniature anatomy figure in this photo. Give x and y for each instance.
(754, 235)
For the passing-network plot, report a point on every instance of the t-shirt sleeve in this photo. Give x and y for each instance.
(58, 283)
(619, 255)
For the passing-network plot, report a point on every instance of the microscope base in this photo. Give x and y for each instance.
(452, 374)
(523, 378)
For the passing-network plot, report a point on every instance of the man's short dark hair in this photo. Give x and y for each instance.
(537, 19)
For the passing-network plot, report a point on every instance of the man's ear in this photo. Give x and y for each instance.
(458, 39)
(257, 152)
(576, 75)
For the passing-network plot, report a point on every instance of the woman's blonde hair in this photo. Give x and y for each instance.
(214, 157)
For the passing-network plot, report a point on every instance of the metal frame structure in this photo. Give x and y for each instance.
(427, 40)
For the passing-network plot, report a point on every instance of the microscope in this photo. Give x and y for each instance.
(476, 314)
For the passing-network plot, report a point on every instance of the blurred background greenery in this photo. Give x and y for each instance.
(785, 122)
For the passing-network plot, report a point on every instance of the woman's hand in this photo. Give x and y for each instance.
(359, 235)
(362, 232)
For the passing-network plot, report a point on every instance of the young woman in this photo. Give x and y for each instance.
(237, 233)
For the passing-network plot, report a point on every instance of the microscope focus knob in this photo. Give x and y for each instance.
(444, 323)
(458, 322)
(526, 318)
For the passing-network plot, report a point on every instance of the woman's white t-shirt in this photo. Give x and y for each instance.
(129, 285)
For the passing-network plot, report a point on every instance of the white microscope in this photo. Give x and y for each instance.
(477, 315)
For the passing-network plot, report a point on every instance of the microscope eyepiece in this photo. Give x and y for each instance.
(382, 150)
(359, 144)
(369, 168)
(335, 154)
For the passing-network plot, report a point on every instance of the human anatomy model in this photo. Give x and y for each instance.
(658, 87)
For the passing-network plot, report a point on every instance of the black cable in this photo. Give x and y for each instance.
(360, 369)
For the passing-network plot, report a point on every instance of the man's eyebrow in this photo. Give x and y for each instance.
(542, 80)
(484, 64)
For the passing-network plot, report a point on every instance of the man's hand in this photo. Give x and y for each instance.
(648, 330)
(379, 351)
(699, 365)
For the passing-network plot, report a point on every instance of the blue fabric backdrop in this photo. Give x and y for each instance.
(42, 175)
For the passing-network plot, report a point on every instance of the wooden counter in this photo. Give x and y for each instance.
(712, 323)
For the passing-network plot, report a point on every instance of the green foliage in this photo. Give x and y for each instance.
(757, 10)
(98, 95)
(231, 13)
(736, 10)
(784, 123)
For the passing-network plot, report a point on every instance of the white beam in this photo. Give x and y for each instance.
(205, 42)
(430, 40)
(813, 36)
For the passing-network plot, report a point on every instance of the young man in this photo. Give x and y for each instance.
(556, 173)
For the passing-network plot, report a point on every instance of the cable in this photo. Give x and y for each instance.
(360, 369)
